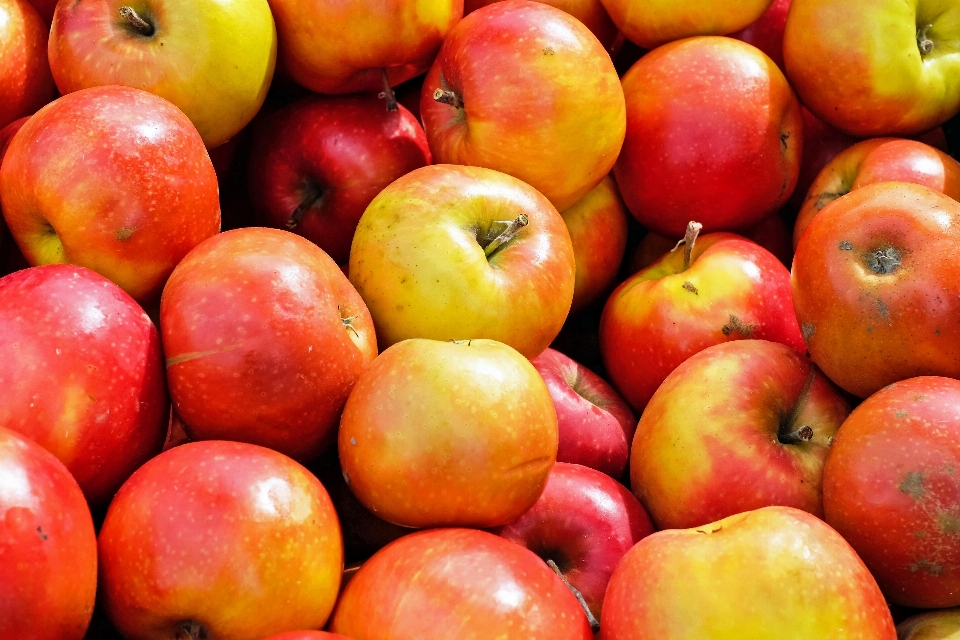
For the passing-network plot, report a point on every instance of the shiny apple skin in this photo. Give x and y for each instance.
(347, 148)
(858, 65)
(766, 33)
(541, 99)
(702, 113)
(734, 289)
(337, 47)
(595, 424)
(24, 71)
(308, 635)
(931, 625)
(771, 573)
(867, 325)
(48, 548)
(405, 461)
(457, 583)
(891, 489)
(214, 59)
(657, 22)
(879, 160)
(81, 374)
(236, 537)
(710, 443)
(6, 135)
(256, 344)
(590, 12)
(417, 261)
(113, 179)
(585, 522)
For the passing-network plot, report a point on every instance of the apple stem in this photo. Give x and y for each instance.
(141, 25)
(387, 92)
(507, 234)
(448, 97)
(689, 239)
(192, 630)
(923, 42)
(802, 434)
(594, 623)
(294, 220)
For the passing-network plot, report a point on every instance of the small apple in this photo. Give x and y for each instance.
(25, 80)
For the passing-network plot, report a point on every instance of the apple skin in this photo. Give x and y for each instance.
(214, 59)
(6, 135)
(821, 144)
(308, 635)
(541, 100)
(337, 47)
(234, 537)
(590, 12)
(891, 490)
(585, 522)
(48, 548)
(869, 321)
(715, 438)
(24, 71)
(418, 261)
(335, 152)
(734, 289)
(457, 583)
(113, 179)
(406, 464)
(264, 339)
(766, 33)
(785, 573)
(931, 625)
(702, 113)
(878, 160)
(81, 374)
(858, 65)
(595, 424)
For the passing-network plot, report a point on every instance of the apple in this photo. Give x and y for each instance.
(775, 572)
(48, 548)
(308, 635)
(821, 144)
(879, 160)
(219, 540)
(113, 179)
(702, 114)
(890, 488)
(714, 289)
(931, 625)
(25, 80)
(590, 12)
(459, 433)
(875, 67)
(583, 523)
(214, 59)
(6, 135)
(595, 424)
(457, 583)
(316, 164)
(264, 339)
(526, 89)
(449, 252)
(45, 9)
(766, 33)
(81, 374)
(876, 286)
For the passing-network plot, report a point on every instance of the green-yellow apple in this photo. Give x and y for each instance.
(25, 80)
(932, 625)
(214, 59)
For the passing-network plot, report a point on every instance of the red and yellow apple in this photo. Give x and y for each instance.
(25, 80)
(590, 12)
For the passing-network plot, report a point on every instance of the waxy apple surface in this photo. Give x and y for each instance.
(590, 12)
(766, 33)
(657, 22)
(25, 80)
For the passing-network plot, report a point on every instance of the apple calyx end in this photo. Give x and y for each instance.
(884, 261)
(191, 630)
(594, 623)
(448, 97)
(140, 25)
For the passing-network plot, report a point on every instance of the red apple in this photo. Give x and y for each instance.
(457, 583)
(526, 89)
(6, 135)
(45, 9)
(219, 540)
(766, 33)
(702, 114)
(590, 12)
(821, 144)
(583, 523)
(316, 164)
(25, 80)
(308, 635)
(81, 374)
(113, 179)
(264, 339)
(596, 425)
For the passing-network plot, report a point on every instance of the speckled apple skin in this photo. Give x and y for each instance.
(81, 374)
(658, 22)
(236, 537)
(24, 70)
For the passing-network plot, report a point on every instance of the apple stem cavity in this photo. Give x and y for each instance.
(924, 43)
(594, 623)
(689, 239)
(139, 24)
(192, 630)
(802, 434)
(387, 92)
(448, 97)
(507, 234)
(308, 203)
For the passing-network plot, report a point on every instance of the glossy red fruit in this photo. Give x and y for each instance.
(25, 80)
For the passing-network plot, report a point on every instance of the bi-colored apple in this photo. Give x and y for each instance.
(590, 12)
(25, 80)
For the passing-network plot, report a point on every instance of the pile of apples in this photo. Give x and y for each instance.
(446, 320)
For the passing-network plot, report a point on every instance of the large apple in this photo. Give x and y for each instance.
(771, 573)
(875, 67)
(113, 179)
(219, 540)
(317, 163)
(526, 89)
(81, 374)
(214, 59)
(931, 625)
(25, 80)
(264, 339)
(48, 548)
(457, 583)
(458, 433)
(449, 252)
(590, 12)
(876, 286)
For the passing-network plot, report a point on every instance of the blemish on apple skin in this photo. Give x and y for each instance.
(912, 485)
(807, 330)
(882, 309)
(353, 441)
(948, 523)
(689, 287)
(901, 414)
(932, 568)
(124, 234)
(845, 246)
